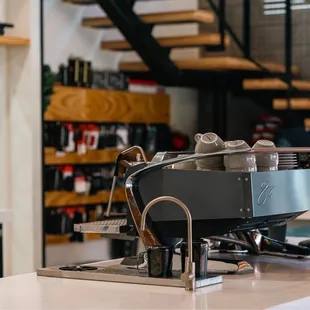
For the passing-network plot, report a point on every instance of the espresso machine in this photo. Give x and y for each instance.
(168, 204)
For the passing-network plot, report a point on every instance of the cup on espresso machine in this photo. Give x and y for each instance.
(184, 165)
(266, 161)
(209, 143)
(239, 162)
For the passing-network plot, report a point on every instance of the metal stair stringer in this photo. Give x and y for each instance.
(139, 35)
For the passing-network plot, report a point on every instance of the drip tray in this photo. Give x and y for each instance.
(110, 228)
(121, 274)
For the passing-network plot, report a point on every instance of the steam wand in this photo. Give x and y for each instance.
(116, 170)
(188, 277)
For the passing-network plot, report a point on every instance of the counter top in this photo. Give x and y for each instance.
(271, 285)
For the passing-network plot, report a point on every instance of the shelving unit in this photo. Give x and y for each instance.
(83, 105)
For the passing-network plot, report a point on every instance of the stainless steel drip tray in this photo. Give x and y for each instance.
(111, 228)
(123, 274)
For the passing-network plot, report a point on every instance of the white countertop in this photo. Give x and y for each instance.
(271, 285)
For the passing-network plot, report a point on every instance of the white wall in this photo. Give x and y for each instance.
(20, 134)
(4, 152)
(64, 36)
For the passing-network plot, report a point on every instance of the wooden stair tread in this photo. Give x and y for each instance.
(201, 16)
(175, 41)
(211, 64)
(296, 104)
(273, 84)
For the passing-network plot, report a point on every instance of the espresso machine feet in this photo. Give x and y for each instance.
(279, 248)
(305, 243)
(255, 243)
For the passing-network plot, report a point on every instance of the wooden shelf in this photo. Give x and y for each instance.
(274, 84)
(56, 239)
(201, 16)
(91, 157)
(296, 104)
(13, 41)
(64, 239)
(63, 199)
(93, 105)
(172, 42)
(90, 237)
(211, 64)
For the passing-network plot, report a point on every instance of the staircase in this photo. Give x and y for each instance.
(291, 104)
(276, 86)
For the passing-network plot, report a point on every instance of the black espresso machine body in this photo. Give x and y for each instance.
(220, 202)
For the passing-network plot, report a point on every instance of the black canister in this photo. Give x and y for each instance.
(159, 261)
(200, 257)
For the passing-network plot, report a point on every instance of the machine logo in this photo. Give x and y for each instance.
(266, 193)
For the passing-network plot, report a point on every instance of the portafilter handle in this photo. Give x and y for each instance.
(188, 277)
(116, 171)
